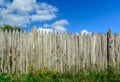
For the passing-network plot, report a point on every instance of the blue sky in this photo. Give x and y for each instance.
(62, 15)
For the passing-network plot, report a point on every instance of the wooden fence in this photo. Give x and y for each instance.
(58, 51)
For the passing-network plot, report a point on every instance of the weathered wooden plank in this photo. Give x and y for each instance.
(119, 50)
(61, 52)
(45, 50)
(92, 50)
(100, 61)
(5, 54)
(27, 46)
(104, 50)
(69, 52)
(49, 50)
(84, 51)
(80, 51)
(58, 51)
(76, 53)
(9, 53)
(39, 49)
(21, 52)
(2, 48)
(54, 51)
(116, 49)
(13, 52)
(64, 59)
(35, 38)
(72, 52)
(88, 50)
(29, 50)
(33, 47)
(16, 47)
(24, 51)
(42, 48)
(110, 49)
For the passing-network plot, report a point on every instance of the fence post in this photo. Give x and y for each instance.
(110, 49)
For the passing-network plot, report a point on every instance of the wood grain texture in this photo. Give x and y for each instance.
(111, 50)
(57, 51)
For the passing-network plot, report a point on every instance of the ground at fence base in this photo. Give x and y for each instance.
(46, 75)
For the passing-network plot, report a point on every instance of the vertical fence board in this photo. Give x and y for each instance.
(119, 50)
(116, 49)
(17, 52)
(76, 53)
(2, 48)
(9, 53)
(39, 49)
(54, 51)
(104, 49)
(100, 53)
(27, 52)
(80, 51)
(88, 50)
(21, 52)
(92, 49)
(72, 52)
(64, 52)
(5, 51)
(110, 49)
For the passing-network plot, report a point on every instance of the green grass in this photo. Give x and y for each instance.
(109, 75)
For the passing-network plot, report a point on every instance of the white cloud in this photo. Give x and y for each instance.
(46, 25)
(60, 22)
(44, 30)
(42, 17)
(1, 1)
(58, 26)
(84, 31)
(26, 5)
(19, 12)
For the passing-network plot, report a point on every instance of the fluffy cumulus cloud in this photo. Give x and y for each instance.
(58, 26)
(19, 12)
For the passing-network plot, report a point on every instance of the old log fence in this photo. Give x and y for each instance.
(58, 51)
